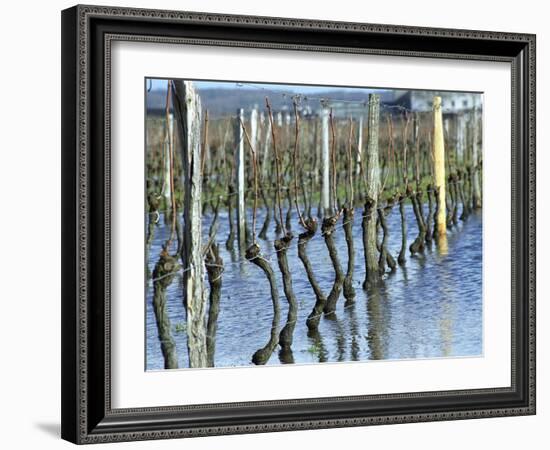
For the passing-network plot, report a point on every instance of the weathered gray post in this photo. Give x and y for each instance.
(267, 144)
(167, 149)
(188, 114)
(476, 191)
(261, 125)
(372, 192)
(460, 134)
(326, 202)
(316, 152)
(239, 180)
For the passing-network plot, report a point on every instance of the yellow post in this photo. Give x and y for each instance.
(439, 166)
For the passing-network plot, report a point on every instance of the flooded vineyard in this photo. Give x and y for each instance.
(294, 225)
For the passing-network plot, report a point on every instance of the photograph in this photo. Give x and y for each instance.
(283, 220)
(310, 224)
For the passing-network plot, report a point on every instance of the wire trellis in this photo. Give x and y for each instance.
(320, 235)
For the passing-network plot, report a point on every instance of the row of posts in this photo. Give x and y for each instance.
(373, 176)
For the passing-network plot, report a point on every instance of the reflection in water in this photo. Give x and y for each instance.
(447, 308)
(317, 347)
(446, 326)
(431, 307)
(378, 317)
(233, 254)
(338, 330)
(286, 356)
(442, 245)
(351, 318)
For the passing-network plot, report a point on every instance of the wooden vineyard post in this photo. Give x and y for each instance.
(316, 153)
(167, 148)
(267, 144)
(188, 114)
(239, 181)
(372, 191)
(254, 127)
(476, 185)
(359, 146)
(325, 164)
(460, 133)
(439, 168)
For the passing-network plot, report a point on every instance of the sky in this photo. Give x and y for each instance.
(161, 84)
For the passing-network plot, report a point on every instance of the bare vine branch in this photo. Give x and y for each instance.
(350, 163)
(277, 164)
(295, 157)
(255, 176)
(333, 156)
(204, 143)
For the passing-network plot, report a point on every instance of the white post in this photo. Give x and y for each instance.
(325, 163)
(254, 127)
(446, 125)
(187, 106)
(239, 181)
(359, 146)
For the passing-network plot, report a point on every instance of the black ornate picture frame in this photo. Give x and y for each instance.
(87, 35)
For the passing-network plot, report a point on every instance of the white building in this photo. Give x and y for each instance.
(452, 102)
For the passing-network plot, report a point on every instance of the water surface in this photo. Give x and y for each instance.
(430, 308)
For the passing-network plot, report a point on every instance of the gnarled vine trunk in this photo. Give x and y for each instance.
(214, 269)
(314, 317)
(349, 290)
(262, 355)
(328, 229)
(286, 335)
(163, 275)
(401, 259)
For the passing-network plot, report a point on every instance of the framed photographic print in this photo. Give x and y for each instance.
(282, 224)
